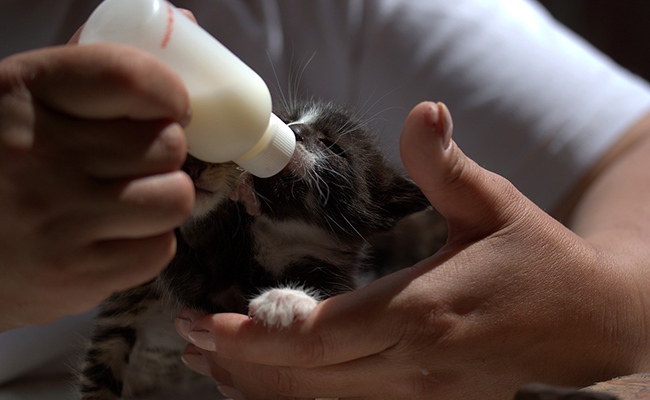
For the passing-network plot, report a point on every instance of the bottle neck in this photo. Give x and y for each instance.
(272, 152)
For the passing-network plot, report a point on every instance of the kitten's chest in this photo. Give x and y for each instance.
(279, 245)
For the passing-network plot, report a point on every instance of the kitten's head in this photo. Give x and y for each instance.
(337, 178)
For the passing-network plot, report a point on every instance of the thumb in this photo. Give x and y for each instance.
(474, 201)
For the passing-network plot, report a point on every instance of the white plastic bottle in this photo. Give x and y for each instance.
(232, 118)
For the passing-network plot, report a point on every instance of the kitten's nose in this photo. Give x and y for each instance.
(298, 130)
(193, 167)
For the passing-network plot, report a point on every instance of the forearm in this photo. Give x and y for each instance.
(617, 198)
(613, 214)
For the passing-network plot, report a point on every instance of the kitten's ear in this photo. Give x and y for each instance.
(402, 198)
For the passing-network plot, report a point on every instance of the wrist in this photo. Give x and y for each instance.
(624, 280)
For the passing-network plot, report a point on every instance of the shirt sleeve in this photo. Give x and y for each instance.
(531, 100)
(54, 349)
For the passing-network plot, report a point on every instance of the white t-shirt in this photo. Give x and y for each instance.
(530, 100)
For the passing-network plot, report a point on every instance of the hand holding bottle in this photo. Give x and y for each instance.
(91, 141)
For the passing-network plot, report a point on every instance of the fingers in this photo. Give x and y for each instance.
(133, 209)
(136, 150)
(103, 81)
(110, 118)
(474, 201)
(111, 149)
(357, 378)
(127, 262)
(75, 37)
(116, 264)
(93, 249)
(189, 14)
(115, 174)
(90, 146)
(340, 329)
(152, 205)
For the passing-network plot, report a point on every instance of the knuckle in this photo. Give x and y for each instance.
(122, 71)
(312, 352)
(437, 323)
(422, 383)
(145, 76)
(426, 325)
(174, 144)
(131, 69)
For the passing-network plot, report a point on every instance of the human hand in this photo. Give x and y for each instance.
(513, 297)
(90, 146)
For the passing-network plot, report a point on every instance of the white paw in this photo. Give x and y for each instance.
(281, 307)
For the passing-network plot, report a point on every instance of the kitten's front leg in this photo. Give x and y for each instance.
(280, 307)
(101, 376)
(104, 370)
(245, 193)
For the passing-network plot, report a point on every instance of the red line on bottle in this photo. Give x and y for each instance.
(170, 26)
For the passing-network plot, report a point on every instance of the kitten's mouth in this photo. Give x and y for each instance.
(202, 187)
(199, 190)
(205, 200)
(292, 163)
(299, 163)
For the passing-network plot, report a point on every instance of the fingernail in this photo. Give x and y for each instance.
(184, 321)
(186, 119)
(202, 339)
(434, 118)
(446, 123)
(231, 392)
(189, 14)
(183, 326)
(197, 363)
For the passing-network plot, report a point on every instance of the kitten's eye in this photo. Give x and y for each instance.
(333, 147)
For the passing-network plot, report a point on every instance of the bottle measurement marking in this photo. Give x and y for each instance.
(170, 26)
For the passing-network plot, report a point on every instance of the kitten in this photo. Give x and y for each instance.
(272, 248)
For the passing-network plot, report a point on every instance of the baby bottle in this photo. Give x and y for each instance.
(231, 104)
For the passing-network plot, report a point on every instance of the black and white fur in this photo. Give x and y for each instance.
(272, 248)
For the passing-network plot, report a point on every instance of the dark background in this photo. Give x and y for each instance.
(619, 28)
